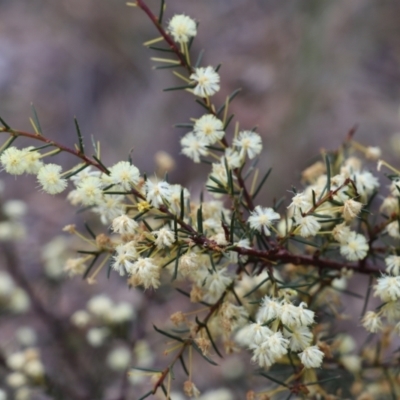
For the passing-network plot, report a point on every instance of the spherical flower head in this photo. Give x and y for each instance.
(388, 288)
(144, 272)
(182, 28)
(49, 177)
(157, 192)
(89, 190)
(372, 322)
(308, 226)
(341, 232)
(290, 315)
(365, 182)
(254, 333)
(300, 203)
(125, 256)
(373, 153)
(119, 359)
(390, 205)
(391, 310)
(269, 310)
(351, 209)
(97, 336)
(305, 317)
(189, 263)
(249, 142)
(75, 266)
(216, 284)
(278, 344)
(100, 305)
(209, 129)
(164, 238)
(16, 361)
(354, 247)
(125, 174)
(122, 312)
(262, 218)
(109, 206)
(32, 159)
(233, 158)
(13, 161)
(207, 81)
(393, 265)
(194, 147)
(311, 357)
(124, 225)
(262, 354)
(393, 230)
(300, 337)
(34, 369)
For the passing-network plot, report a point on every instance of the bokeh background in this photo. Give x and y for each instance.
(309, 71)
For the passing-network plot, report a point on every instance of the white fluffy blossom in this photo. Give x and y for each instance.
(100, 305)
(49, 177)
(13, 161)
(311, 357)
(248, 142)
(393, 265)
(365, 182)
(351, 209)
(209, 129)
(144, 272)
(182, 28)
(32, 160)
(124, 225)
(393, 230)
(307, 226)
(125, 256)
(90, 190)
(254, 333)
(354, 247)
(125, 174)
(164, 237)
(270, 350)
(193, 147)
(119, 359)
(300, 337)
(157, 192)
(269, 309)
(207, 81)
(216, 283)
(293, 316)
(388, 288)
(262, 218)
(372, 322)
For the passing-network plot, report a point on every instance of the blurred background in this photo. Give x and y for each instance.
(309, 71)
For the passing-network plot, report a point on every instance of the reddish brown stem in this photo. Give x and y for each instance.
(63, 148)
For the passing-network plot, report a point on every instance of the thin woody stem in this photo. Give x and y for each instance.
(141, 4)
(189, 340)
(40, 138)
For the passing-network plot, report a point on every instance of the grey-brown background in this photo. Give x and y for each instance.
(309, 70)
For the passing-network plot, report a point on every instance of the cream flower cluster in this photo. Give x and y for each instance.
(345, 206)
(28, 160)
(100, 316)
(280, 327)
(12, 298)
(26, 370)
(387, 289)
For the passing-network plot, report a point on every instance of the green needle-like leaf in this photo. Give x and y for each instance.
(80, 139)
(36, 119)
(261, 183)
